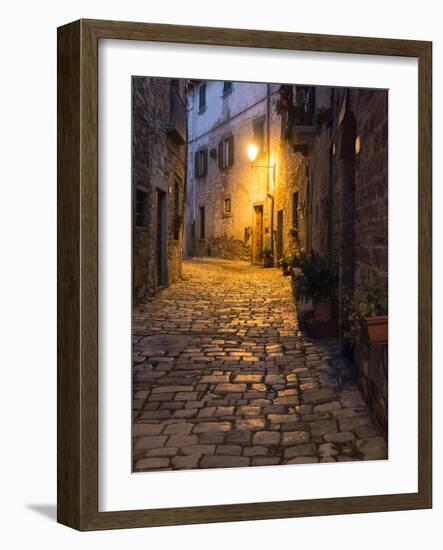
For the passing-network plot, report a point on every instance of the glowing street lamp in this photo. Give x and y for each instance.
(252, 152)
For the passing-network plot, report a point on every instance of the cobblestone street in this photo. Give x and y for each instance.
(222, 377)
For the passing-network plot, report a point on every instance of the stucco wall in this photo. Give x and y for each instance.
(245, 185)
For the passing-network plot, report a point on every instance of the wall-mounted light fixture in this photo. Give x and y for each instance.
(252, 152)
(301, 210)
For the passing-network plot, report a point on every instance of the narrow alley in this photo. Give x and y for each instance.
(224, 378)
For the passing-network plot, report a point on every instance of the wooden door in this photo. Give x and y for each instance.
(160, 248)
(258, 234)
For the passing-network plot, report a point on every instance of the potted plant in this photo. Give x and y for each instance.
(368, 311)
(298, 257)
(267, 257)
(316, 282)
(285, 262)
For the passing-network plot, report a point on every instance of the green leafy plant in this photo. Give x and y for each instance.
(267, 257)
(283, 262)
(370, 301)
(298, 257)
(293, 259)
(316, 281)
(282, 104)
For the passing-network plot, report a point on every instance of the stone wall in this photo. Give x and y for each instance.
(346, 207)
(291, 177)
(372, 363)
(226, 247)
(158, 166)
(228, 234)
(371, 176)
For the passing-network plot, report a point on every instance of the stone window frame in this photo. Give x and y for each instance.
(225, 213)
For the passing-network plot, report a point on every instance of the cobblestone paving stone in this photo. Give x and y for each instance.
(223, 377)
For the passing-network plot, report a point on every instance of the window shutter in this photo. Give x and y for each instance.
(231, 150)
(205, 162)
(196, 165)
(220, 155)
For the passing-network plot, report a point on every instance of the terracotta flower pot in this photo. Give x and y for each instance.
(377, 329)
(323, 310)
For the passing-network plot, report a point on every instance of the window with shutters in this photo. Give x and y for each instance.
(226, 152)
(258, 127)
(202, 98)
(141, 218)
(227, 87)
(202, 224)
(201, 163)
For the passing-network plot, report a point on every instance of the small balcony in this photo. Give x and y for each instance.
(302, 120)
(299, 132)
(303, 135)
(176, 127)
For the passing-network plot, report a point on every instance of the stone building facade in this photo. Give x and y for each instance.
(158, 182)
(228, 202)
(336, 160)
(320, 180)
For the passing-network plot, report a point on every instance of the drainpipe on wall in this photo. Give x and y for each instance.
(194, 137)
(190, 155)
(268, 145)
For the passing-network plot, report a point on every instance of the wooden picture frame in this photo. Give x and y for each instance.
(78, 274)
